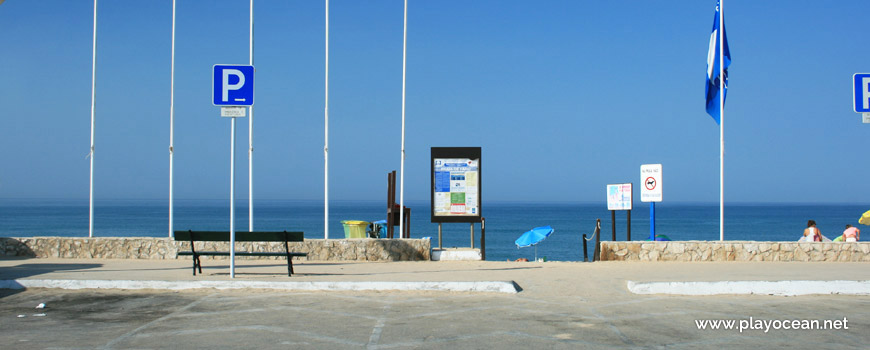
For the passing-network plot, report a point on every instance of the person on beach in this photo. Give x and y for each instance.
(811, 233)
(851, 234)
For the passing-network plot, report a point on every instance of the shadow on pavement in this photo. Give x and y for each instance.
(8, 275)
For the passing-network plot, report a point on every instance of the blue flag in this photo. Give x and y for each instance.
(713, 67)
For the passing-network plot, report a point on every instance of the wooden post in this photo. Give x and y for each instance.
(628, 236)
(613, 223)
(596, 255)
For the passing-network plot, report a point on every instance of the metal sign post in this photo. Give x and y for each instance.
(233, 88)
(652, 221)
(233, 198)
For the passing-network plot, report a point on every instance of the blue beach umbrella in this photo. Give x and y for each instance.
(533, 237)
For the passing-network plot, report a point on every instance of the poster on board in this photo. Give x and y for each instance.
(456, 184)
(619, 197)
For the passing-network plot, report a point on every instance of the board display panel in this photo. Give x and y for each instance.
(456, 184)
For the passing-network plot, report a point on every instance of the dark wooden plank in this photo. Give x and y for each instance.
(241, 236)
(269, 236)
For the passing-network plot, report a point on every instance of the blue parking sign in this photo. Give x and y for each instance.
(233, 85)
(861, 81)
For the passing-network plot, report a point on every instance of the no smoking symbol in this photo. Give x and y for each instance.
(650, 183)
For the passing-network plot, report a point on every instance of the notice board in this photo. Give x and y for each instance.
(619, 196)
(456, 191)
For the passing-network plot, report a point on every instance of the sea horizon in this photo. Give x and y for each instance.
(488, 201)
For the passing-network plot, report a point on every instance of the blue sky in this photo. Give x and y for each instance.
(564, 97)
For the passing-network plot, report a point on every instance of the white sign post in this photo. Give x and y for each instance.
(651, 191)
(233, 88)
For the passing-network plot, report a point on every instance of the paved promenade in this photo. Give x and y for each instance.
(558, 305)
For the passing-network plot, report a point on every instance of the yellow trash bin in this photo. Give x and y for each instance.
(355, 228)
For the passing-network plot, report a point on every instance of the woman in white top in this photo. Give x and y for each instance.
(811, 233)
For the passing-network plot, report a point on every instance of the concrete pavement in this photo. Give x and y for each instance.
(560, 305)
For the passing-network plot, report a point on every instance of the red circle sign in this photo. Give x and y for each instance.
(650, 183)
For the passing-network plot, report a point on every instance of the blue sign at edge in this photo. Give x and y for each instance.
(859, 92)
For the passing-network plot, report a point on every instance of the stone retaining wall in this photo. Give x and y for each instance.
(734, 251)
(166, 248)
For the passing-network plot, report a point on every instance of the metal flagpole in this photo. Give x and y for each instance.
(402, 168)
(326, 135)
(93, 103)
(251, 132)
(721, 122)
(171, 121)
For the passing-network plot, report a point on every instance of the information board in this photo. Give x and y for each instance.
(456, 184)
(619, 197)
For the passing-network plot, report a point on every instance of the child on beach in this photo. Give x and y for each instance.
(811, 233)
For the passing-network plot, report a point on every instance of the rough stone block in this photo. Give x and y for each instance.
(750, 247)
(675, 248)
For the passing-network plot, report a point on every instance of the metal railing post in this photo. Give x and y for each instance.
(482, 239)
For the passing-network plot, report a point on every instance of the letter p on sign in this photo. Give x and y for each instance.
(233, 85)
(225, 91)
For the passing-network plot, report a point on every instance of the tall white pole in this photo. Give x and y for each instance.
(402, 168)
(233, 198)
(251, 131)
(171, 122)
(721, 121)
(93, 103)
(326, 136)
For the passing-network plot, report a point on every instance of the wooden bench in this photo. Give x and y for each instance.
(224, 236)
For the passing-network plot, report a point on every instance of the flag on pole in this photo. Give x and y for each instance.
(713, 69)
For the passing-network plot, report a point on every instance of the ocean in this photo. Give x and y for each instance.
(505, 221)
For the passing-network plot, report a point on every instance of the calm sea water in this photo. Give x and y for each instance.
(505, 221)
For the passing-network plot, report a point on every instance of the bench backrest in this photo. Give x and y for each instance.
(243, 236)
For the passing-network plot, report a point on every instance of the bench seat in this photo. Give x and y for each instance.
(244, 253)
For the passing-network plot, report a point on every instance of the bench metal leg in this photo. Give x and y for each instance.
(197, 264)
